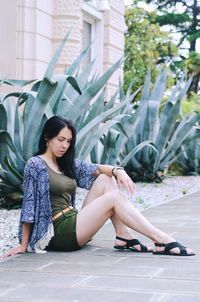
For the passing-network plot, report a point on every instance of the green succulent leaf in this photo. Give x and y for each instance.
(52, 64)
(33, 121)
(137, 149)
(5, 138)
(77, 62)
(81, 101)
(3, 118)
(98, 119)
(17, 83)
(90, 142)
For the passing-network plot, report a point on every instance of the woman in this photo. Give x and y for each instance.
(49, 219)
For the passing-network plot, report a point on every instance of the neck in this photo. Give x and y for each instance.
(50, 157)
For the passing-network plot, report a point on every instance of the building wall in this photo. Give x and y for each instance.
(8, 23)
(34, 37)
(66, 15)
(114, 26)
(31, 30)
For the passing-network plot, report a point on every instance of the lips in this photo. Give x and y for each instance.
(62, 152)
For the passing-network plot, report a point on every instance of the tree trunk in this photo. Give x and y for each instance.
(192, 45)
(194, 25)
(195, 83)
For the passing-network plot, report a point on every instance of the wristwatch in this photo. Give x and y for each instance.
(115, 169)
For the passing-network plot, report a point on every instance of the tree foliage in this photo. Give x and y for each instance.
(187, 22)
(184, 18)
(145, 46)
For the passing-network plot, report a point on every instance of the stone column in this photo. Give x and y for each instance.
(8, 39)
(34, 33)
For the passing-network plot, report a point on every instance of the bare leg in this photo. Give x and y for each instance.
(102, 185)
(93, 216)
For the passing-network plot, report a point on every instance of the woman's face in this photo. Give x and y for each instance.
(59, 144)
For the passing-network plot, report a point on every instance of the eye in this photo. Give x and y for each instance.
(60, 139)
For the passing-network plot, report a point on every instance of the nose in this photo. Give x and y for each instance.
(65, 144)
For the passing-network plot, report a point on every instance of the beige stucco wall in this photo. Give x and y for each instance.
(8, 24)
(31, 30)
(114, 26)
(34, 37)
(66, 15)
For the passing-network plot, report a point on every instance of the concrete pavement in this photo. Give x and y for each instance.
(100, 273)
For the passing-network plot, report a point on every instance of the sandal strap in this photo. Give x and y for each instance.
(122, 239)
(132, 242)
(160, 244)
(129, 242)
(143, 247)
(175, 244)
(172, 245)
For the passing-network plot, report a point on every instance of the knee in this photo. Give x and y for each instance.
(103, 177)
(106, 180)
(117, 196)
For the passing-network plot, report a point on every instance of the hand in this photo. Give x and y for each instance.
(17, 250)
(124, 179)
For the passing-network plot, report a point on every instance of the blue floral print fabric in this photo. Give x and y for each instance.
(36, 207)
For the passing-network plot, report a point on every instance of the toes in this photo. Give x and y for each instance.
(137, 247)
(177, 251)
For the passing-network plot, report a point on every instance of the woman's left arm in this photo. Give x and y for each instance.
(121, 175)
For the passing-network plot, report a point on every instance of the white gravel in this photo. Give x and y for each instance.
(146, 195)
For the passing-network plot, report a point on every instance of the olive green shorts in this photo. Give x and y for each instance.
(65, 233)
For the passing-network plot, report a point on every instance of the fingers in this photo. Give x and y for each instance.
(10, 253)
(15, 251)
(129, 185)
(7, 255)
(120, 185)
(124, 179)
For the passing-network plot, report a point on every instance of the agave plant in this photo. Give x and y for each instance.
(167, 131)
(189, 159)
(113, 142)
(151, 139)
(22, 116)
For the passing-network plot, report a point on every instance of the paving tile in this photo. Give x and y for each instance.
(50, 255)
(46, 279)
(101, 269)
(93, 258)
(42, 294)
(185, 272)
(179, 298)
(17, 265)
(5, 288)
(162, 261)
(145, 284)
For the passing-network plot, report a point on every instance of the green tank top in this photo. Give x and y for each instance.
(61, 187)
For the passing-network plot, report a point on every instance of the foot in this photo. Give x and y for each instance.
(175, 250)
(122, 243)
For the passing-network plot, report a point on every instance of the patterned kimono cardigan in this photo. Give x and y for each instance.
(36, 207)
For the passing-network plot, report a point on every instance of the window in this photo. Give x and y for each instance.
(87, 39)
(93, 32)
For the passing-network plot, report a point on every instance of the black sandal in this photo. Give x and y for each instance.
(169, 247)
(129, 245)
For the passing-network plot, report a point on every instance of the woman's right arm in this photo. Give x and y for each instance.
(26, 233)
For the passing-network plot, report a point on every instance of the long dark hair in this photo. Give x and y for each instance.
(51, 129)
